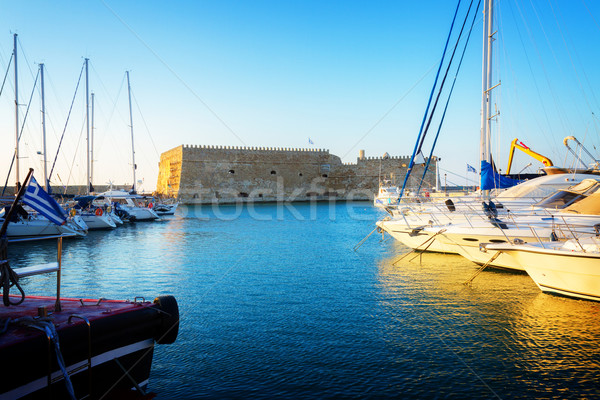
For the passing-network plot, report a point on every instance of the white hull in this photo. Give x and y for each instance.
(414, 238)
(142, 214)
(565, 272)
(94, 221)
(38, 227)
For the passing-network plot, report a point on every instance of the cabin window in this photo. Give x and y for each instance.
(470, 240)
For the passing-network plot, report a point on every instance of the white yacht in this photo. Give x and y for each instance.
(132, 203)
(569, 268)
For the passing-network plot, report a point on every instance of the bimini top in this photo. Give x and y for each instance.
(589, 206)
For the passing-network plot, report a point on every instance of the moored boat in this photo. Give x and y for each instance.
(73, 348)
(570, 268)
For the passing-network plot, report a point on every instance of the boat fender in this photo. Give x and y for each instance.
(98, 212)
(169, 320)
(72, 212)
(150, 205)
(553, 237)
(450, 205)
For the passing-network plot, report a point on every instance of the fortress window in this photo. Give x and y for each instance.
(260, 195)
(324, 175)
(243, 194)
(231, 171)
(273, 173)
(300, 174)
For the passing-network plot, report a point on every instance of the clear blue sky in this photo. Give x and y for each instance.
(350, 75)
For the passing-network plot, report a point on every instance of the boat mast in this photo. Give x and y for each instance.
(486, 99)
(18, 184)
(46, 184)
(87, 121)
(131, 126)
(92, 146)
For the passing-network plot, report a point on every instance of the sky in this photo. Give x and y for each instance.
(349, 75)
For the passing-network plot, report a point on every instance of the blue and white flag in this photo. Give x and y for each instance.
(36, 198)
(471, 169)
(310, 141)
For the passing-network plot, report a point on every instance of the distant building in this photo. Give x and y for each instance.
(227, 174)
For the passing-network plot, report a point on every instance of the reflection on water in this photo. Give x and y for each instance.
(276, 304)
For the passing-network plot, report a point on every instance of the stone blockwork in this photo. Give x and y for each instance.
(225, 174)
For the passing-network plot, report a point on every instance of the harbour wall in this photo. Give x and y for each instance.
(229, 174)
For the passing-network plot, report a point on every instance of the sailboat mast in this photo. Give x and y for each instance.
(46, 184)
(87, 121)
(486, 87)
(131, 126)
(18, 184)
(92, 146)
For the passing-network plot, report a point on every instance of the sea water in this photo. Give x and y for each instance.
(276, 303)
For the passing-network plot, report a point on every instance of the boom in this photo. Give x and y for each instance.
(516, 144)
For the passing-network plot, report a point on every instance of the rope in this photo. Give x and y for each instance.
(451, 88)
(430, 239)
(412, 159)
(480, 270)
(6, 75)
(21, 132)
(8, 279)
(66, 123)
(48, 328)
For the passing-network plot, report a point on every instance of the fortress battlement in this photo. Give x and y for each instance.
(227, 174)
(252, 148)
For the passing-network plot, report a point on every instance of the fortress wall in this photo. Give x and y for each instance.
(224, 174)
(169, 172)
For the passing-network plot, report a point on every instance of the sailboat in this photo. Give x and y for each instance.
(26, 224)
(425, 228)
(130, 202)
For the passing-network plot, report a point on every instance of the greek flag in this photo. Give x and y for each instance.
(36, 198)
(471, 169)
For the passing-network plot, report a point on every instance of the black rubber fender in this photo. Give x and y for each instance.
(169, 320)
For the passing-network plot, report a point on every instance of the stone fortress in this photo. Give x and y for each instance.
(229, 174)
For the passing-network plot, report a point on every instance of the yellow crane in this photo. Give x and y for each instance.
(516, 144)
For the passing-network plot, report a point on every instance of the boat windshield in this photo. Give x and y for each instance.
(560, 199)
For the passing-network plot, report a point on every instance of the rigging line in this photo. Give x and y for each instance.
(66, 122)
(21, 132)
(589, 12)
(110, 117)
(533, 75)
(145, 124)
(390, 110)
(57, 101)
(560, 30)
(74, 156)
(25, 56)
(6, 75)
(562, 115)
(446, 75)
(451, 90)
(412, 159)
(174, 73)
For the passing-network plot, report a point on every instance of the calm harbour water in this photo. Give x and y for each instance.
(275, 303)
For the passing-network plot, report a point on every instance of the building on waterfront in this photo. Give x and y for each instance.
(227, 174)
